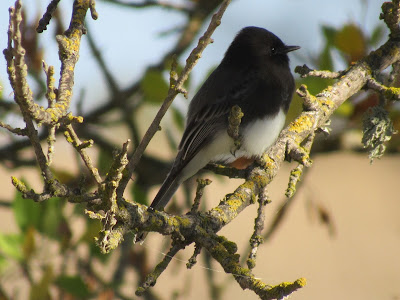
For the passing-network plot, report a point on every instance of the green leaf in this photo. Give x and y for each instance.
(154, 86)
(179, 118)
(139, 195)
(104, 161)
(93, 228)
(26, 211)
(325, 59)
(377, 35)
(314, 84)
(51, 218)
(350, 40)
(329, 33)
(3, 265)
(11, 246)
(29, 245)
(345, 110)
(73, 285)
(96, 252)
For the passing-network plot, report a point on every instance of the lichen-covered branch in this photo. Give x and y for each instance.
(256, 238)
(295, 140)
(45, 20)
(69, 44)
(74, 140)
(201, 184)
(391, 15)
(389, 93)
(17, 73)
(297, 172)
(32, 112)
(234, 120)
(305, 71)
(119, 215)
(377, 129)
(152, 277)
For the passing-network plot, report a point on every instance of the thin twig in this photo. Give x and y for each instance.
(201, 184)
(174, 90)
(305, 71)
(74, 140)
(45, 20)
(256, 238)
(152, 277)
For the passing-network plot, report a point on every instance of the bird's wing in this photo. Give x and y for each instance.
(212, 116)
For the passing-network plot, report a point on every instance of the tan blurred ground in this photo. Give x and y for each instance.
(361, 261)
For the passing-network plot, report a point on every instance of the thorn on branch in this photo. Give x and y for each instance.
(310, 102)
(305, 71)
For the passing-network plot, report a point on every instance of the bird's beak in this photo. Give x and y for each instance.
(290, 48)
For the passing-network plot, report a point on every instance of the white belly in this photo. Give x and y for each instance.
(257, 137)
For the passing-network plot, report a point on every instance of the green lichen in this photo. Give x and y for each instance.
(19, 185)
(392, 93)
(251, 263)
(377, 129)
(302, 123)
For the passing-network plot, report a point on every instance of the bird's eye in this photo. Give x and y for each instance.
(273, 50)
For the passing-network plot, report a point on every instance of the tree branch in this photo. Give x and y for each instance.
(176, 87)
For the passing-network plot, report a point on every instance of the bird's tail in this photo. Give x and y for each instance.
(165, 193)
(167, 190)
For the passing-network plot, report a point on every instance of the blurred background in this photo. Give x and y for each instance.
(341, 231)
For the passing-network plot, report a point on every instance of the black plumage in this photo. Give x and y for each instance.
(254, 74)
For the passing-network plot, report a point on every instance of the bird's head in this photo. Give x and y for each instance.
(254, 45)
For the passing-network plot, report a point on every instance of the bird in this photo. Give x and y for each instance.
(254, 74)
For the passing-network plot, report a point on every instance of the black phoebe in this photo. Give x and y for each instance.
(254, 75)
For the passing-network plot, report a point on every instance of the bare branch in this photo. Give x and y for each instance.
(175, 88)
(391, 15)
(201, 184)
(45, 20)
(74, 140)
(256, 238)
(305, 71)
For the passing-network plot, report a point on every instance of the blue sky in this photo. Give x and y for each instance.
(130, 38)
